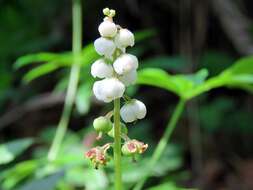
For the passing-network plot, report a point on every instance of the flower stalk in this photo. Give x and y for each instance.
(73, 81)
(117, 145)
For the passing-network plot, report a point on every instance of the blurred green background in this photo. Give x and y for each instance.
(212, 145)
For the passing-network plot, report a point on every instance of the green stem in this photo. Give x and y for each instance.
(162, 143)
(117, 145)
(73, 81)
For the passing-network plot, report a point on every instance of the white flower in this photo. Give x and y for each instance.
(108, 89)
(107, 29)
(129, 78)
(104, 46)
(124, 38)
(133, 111)
(101, 69)
(125, 63)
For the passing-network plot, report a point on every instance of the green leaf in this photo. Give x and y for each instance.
(48, 183)
(33, 58)
(179, 84)
(9, 151)
(40, 71)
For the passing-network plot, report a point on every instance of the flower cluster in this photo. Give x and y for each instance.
(116, 70)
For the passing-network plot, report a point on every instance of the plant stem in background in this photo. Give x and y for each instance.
(117, 145)
(162, 143)
(73, 81)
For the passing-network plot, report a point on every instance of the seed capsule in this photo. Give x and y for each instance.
(102, 124)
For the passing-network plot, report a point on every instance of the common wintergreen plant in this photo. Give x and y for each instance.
(117, 70)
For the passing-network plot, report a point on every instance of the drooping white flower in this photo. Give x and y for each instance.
(132, 111)
(107, 29)
(125, 63)
(129, 78)
(124, 38)
(101, 69)
(104, 46)
(108, 89)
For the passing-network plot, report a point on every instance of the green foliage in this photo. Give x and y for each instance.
(9, 151)
(239, 75)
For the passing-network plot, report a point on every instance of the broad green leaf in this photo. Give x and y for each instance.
(240, 75)
(9, 151)
(178, 84)
(47, 183)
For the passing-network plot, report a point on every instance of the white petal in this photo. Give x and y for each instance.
(108, 89)
(97, 90)
(129, 78)
(125, 63)
(140, 109)
(127, 113)
(101, 69)
(107, 29)
(104, 46)
(124, 38)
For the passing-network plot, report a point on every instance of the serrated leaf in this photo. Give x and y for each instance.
(9, 151)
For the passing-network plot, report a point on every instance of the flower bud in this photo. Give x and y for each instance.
(124, 38)
(132, 111)
(98, 155)
(107, 29)
(129, 78)
(102, 124)
(104, 46)
(101, 69)
(132, 147)
(125, 64)
(108, 89)
(124, 130)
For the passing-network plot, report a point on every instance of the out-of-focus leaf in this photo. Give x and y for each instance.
(48, 183)
(83, 98)
(240, 75)
(33, 58)
(168, 186)
(12, 176)
(9, 151)
(40, 71)
(179, 84)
